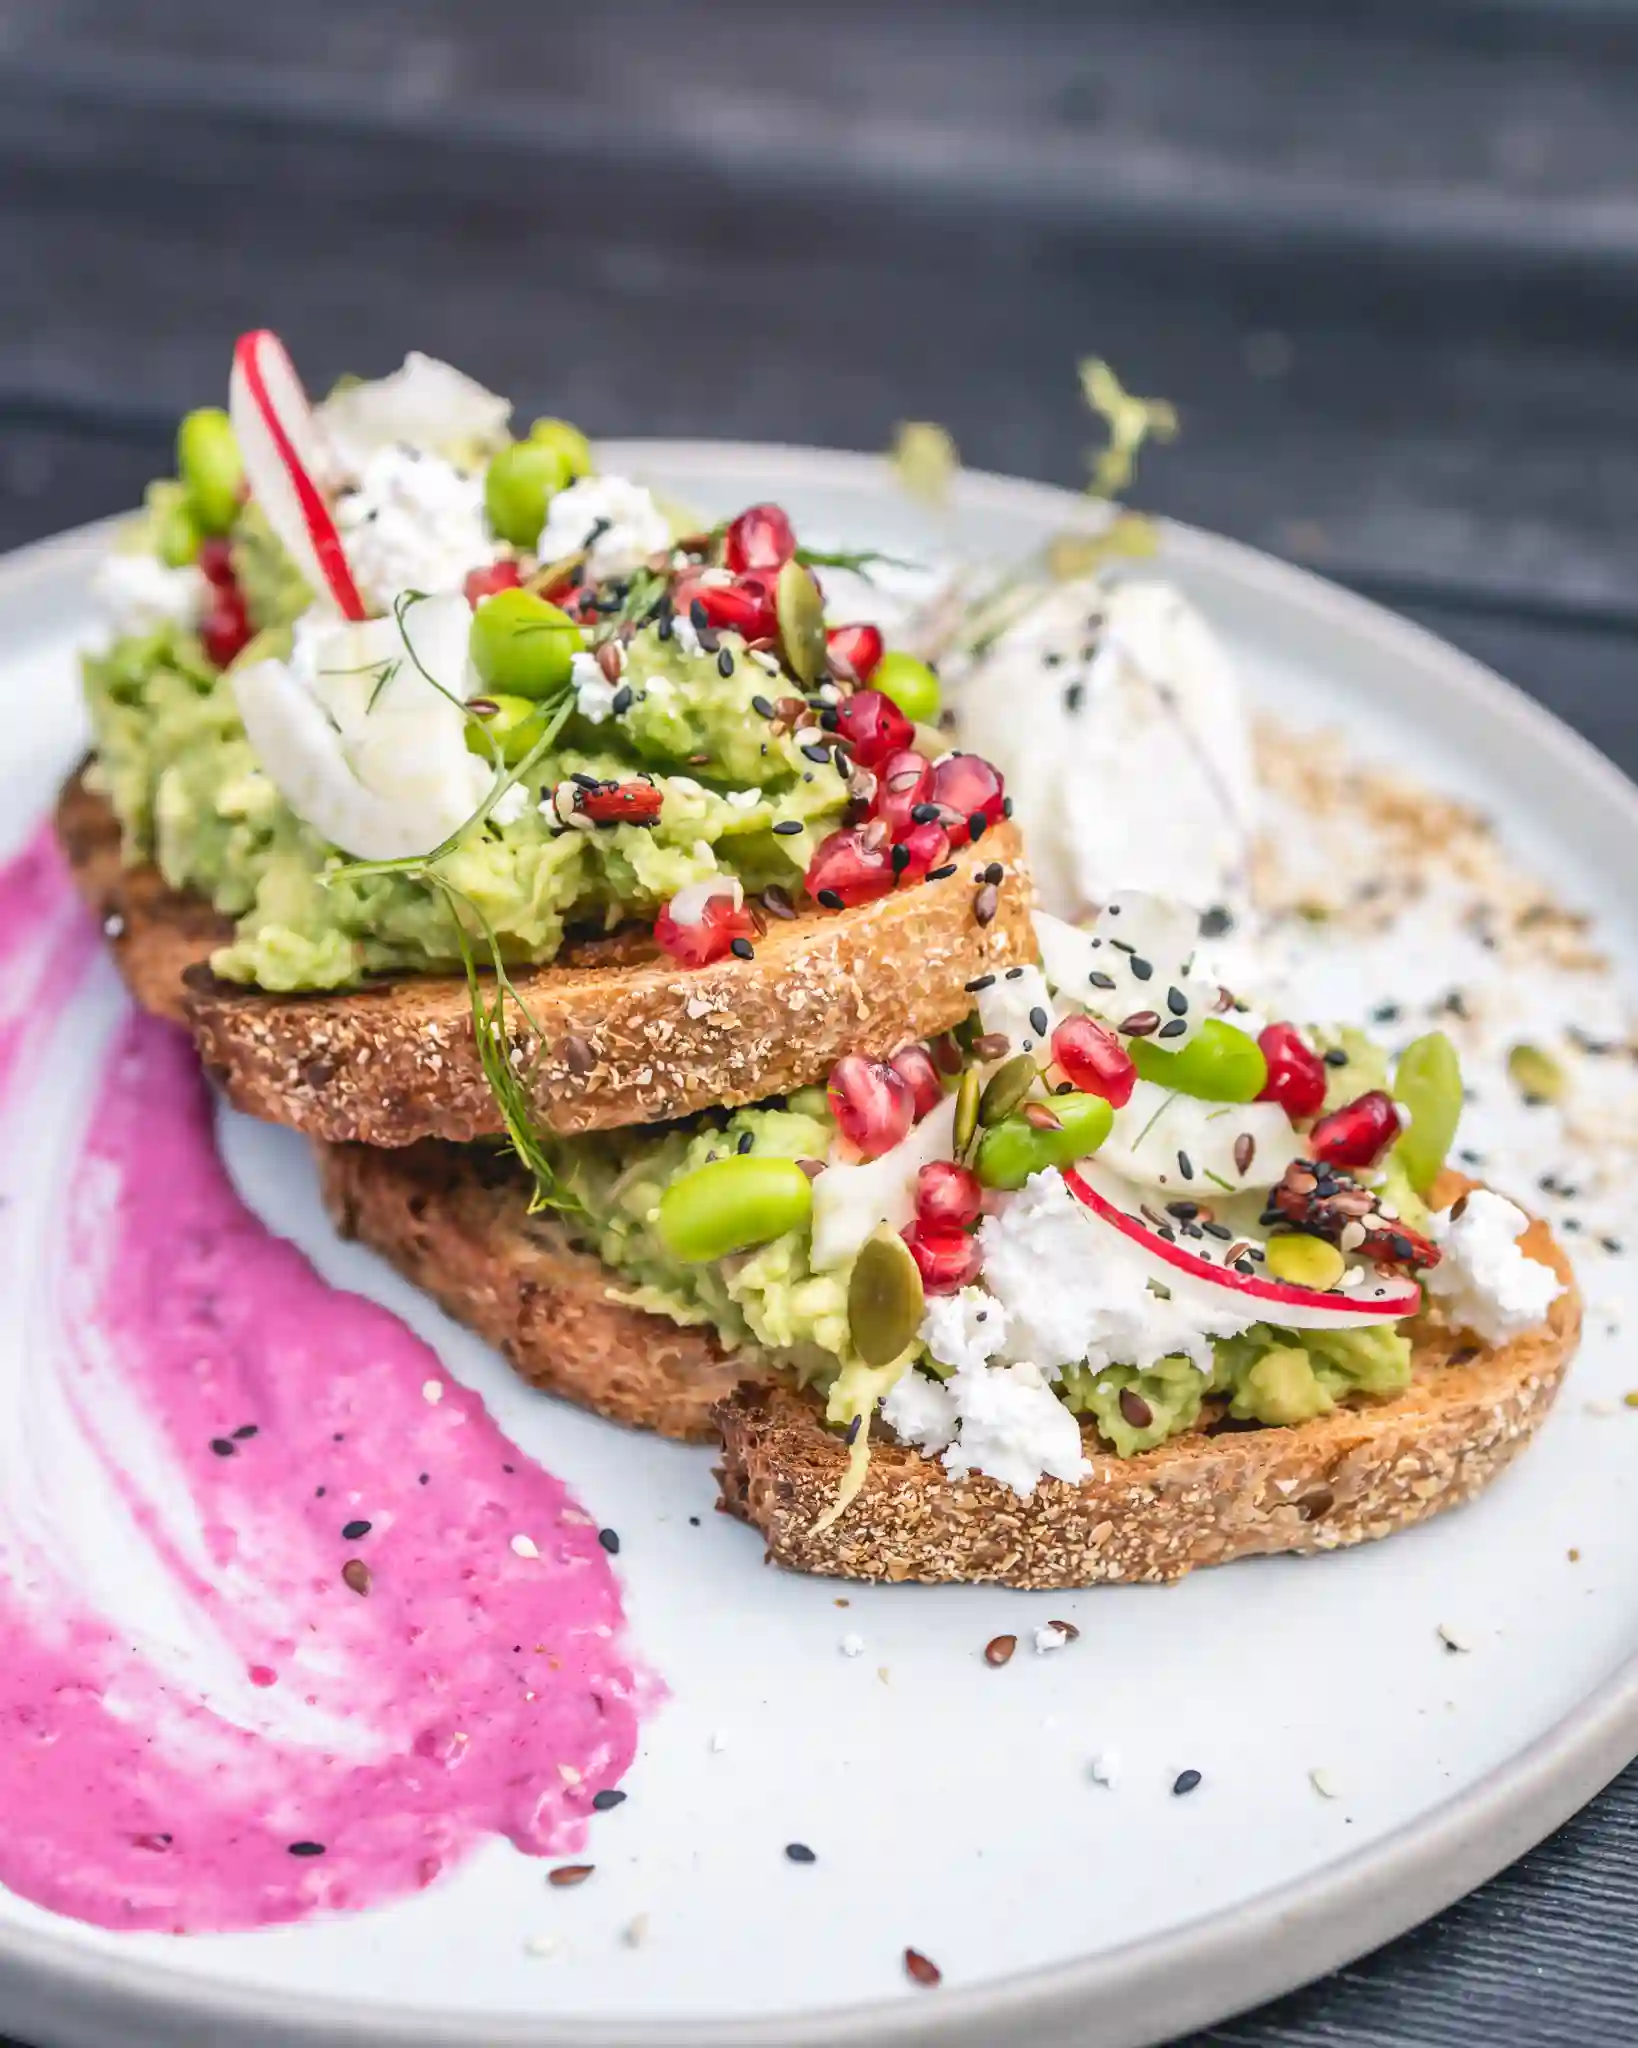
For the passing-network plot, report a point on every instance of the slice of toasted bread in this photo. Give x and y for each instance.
(454, 1219)
(629, 1037)
(1203, 1498)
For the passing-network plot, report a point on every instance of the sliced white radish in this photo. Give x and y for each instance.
(283, 453)
(1131, 967)
(1192, 1148)
(1187, 1273)
(850, 1202)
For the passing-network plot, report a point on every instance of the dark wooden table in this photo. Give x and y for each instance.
(1384, 258)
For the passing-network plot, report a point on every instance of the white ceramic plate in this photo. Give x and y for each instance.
(951, 1805)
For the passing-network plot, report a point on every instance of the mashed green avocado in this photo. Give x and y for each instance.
(772, 1298)
(174, 761)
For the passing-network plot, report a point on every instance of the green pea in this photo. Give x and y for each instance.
(1219, 1064)
(568, 441)
(911, 684)
(513, 727)
(730, 1204)
(1428, 1081)
(1009, 1152)
(522, 646)
(210, 466)
(519, 484)
(176, 533)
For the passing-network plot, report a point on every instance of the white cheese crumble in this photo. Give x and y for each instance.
(1015, 1429)
(510, 805)
(593, 692)
(964, 1330)
(424, 404)
(1049, 1637)
(415, 522)
(138, 593)
(1106, 1766)
(921, 1411)
(1072, 1292)
(1484, 1282)
(633, 526)
(1012, 1008)
(852, 1645)
(684, 635)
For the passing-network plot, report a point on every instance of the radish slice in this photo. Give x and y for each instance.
(283, 455)
(1184, 1271)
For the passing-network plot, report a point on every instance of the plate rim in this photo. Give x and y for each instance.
(1143, 1992)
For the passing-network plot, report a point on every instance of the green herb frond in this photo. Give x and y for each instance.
(1131, 421)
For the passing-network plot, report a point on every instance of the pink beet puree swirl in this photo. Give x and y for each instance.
(381, 1635)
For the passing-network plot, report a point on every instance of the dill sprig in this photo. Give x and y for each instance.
(859, 560)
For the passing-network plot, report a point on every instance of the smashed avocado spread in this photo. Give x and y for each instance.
(770, 1296)
(173, 758)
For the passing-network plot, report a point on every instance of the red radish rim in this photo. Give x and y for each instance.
(1276, 1293)
(321, 528)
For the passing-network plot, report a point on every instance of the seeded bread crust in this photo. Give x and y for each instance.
(629, 1038)
(454, 1220)
(1205, 1498)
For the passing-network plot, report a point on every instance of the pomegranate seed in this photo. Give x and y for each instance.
(1357, 1135)
(225, 630)
(844, 871)
(859, 646)
(914, 1065)
(621, 803)
(948, 1259)
(1296, 1073)
(923, 848)
(216, 562)
(760, 538)
(874, 727)
(482, 583)
(697, 945)
(966, 787)
(874, 1106)
(1095, 1060)
(903, 781)
(948, 1196)
(745, 606)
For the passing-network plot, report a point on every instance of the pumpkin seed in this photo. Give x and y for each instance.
(1006, 1088)
(968, 1090)
(1535, 1074)
(801, 614)
(1304, 1261)
(885, 1300)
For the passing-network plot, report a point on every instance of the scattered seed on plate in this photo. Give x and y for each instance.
(609, 1798)
(799, 1852)
(1185, 1781)
(852, 1646)
(567, 1874)
(355, 1532)
(545, 1945)
(998, 1650)
(921, 1970)
(1453, 1638)
(355, 1575)
(307, 1848)
(1324, 1784)
(610, 1540)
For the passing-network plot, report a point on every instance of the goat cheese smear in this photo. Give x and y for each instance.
(1485, 1282)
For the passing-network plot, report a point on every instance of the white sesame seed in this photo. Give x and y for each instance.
(525, 1546)
(1453, 1638)
(433, 1391)
(1324, 1784)
(545, 1945)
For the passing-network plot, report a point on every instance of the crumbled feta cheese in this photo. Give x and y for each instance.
(683, 634)
(921, 1411)
(510, 805)
(1106, 1766)
(138, 593)
(425, 404)
(1014, 1427)
(852, 1645)
(745, 799)
(1072, 1293)
(964, 1330)
(1484, 1282)
(1050, 1637)
(593, 692)
(415, 522)
(633, 526)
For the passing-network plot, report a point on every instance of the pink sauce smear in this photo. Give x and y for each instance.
(476, 1686)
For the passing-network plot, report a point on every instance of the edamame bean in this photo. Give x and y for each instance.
(1428, 1081)
(519, 484)
(1009, 1152)
(176, 532)
(910, 683)
(512, 728)
(522, 646)
(569, 442)
(1219, 1064)
(209, 464)
(730, 1204)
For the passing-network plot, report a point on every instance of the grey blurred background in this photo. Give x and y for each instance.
(1383, 256)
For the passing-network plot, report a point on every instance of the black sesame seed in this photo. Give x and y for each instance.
(830, 899)
(850, 1435)
(725, 662)
(1612, 1245)
(1335, 1057)
(1216, 921)
(924, 814)
(1141, 968)
(1386, 1013)
(244, 1432)
(995, 872)
(742, 949)
(1013, 973)
(1101, 980)
(610, 1540)
(697, 614)
(977, 826)
(221, 1446)
(355, 1530)
(1006, 807)
(622, 700)
(984, 981)
(1177, 1002)
(606, 1800)
(816, 753)
(1185, 1165)
(761, 706)
(1038, 1021)
(663, 629)
(799, 1852)
(942, 874)
(1185, 1781)
(899, 859)
(787, 828)
(746, 1140)
(1219, 1230)
(1175, 1029)
(307, 1848)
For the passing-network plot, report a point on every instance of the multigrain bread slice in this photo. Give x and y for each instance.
(454, 1220)
(629, 1038)
(1204, 1498)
